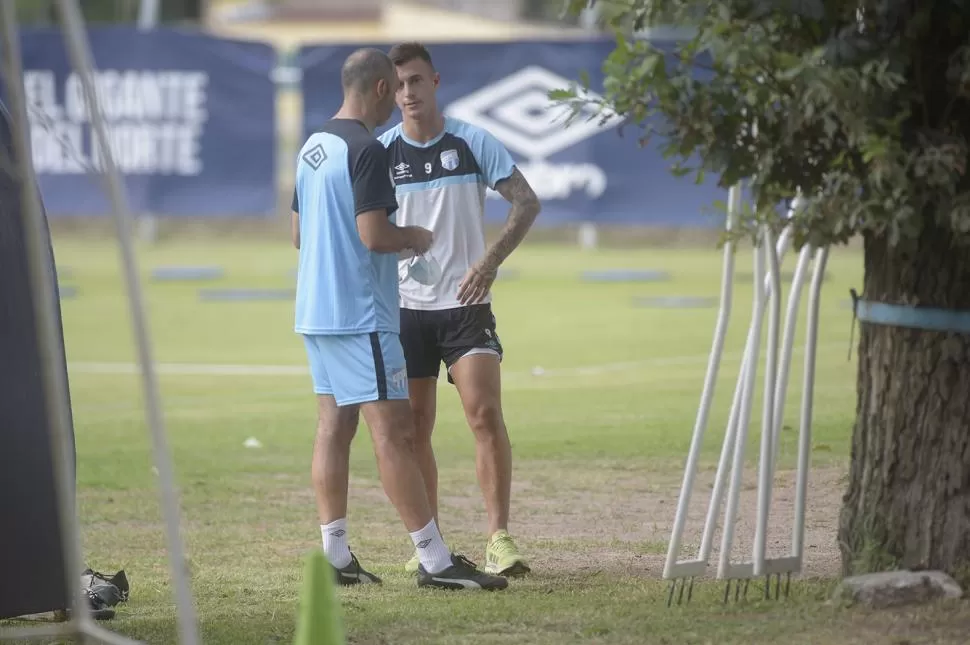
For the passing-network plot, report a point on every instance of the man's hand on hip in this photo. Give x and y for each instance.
(476, 284)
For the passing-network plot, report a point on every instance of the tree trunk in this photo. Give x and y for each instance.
(908, 501)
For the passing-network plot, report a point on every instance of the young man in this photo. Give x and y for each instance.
(441, 167)
(348, 313)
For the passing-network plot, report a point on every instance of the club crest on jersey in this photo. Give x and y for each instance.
(449, 159)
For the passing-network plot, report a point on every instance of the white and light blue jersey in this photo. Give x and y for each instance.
(341, 286)
(440, 186)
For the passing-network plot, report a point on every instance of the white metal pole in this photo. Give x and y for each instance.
(747, 394)
(79, 51)
(723, 463)
(147, 20)
(720, 477)
(148, 14)
(707, 394)
(787, 344)
(765, 479)
(808, 390)
(588, 234)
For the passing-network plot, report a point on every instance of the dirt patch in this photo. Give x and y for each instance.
(611, 516)
(625, 518)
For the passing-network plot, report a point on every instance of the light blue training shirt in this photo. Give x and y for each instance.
(342, 287)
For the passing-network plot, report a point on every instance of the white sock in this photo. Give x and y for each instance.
(335, 545)
(432, 551)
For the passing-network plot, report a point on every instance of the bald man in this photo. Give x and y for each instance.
(347, 312)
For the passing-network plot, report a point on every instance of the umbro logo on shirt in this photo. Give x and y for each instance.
(402, 171)
(315, 156)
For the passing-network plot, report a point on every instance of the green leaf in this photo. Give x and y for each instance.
(649, 64)
(562, 94)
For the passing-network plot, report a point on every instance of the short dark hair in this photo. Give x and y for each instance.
(364, 68)
(404, 53)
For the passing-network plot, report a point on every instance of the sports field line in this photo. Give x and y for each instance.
(220, 369)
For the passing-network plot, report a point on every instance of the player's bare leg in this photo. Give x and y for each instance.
(330, 472)
(392, 430)
(423, 393)
(424, 401)
(479, 381)
(330, 469)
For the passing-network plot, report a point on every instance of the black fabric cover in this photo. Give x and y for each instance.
(31, 559)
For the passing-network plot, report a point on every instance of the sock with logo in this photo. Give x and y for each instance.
(335, 545)
(432, 550)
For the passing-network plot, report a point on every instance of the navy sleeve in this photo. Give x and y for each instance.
(296, 201)
(371, 177)
(493, 158)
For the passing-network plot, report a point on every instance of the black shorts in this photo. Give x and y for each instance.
(430, 337)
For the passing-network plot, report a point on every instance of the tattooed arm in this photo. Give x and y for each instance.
(525, 207)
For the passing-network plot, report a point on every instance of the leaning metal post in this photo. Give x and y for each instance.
(79, 52)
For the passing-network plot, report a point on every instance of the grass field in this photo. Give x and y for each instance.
(600, 435)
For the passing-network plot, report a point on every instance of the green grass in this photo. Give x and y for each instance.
(599, 455)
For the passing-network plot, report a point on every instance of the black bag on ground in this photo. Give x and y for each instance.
(104, 593)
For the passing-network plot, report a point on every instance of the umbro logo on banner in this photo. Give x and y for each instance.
(519, 112)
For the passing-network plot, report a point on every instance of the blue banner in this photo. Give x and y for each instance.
(191, 121)
(586, 171)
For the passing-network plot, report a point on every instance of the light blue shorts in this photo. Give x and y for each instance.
(357, 368)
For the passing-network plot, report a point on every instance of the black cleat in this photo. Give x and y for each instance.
(462, 574)
(354, 574)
